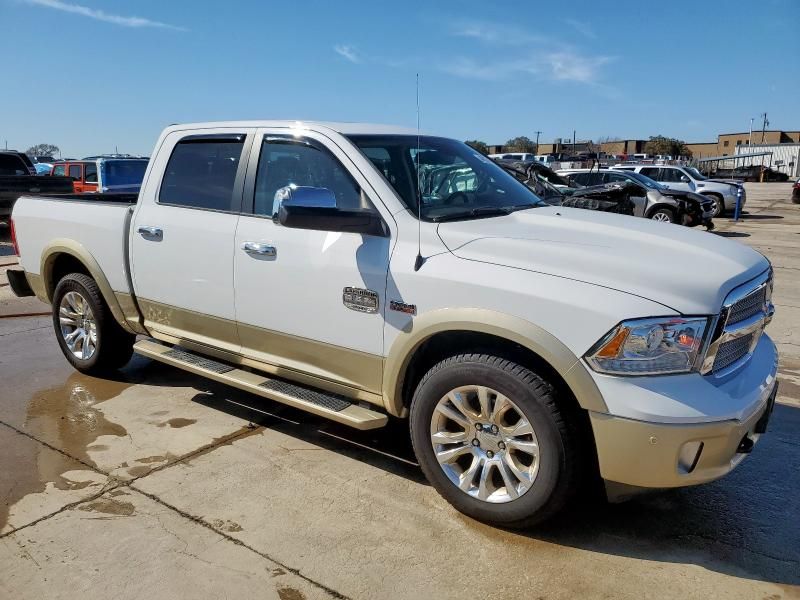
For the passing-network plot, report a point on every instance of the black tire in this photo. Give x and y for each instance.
(719, 205)
(557, 435)
(667, 212)
(114, 346)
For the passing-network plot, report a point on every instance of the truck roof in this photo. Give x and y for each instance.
(339, 127)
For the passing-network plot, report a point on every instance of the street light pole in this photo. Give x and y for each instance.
(750, 137)
(537, 141)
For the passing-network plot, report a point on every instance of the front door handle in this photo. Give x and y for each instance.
(259, 249)
(149, 231)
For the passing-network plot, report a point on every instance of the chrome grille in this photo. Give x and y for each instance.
(744, 315)
(748, 306)
(731, 351)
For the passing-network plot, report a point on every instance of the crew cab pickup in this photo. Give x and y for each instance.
(18, 177)
(365, 272)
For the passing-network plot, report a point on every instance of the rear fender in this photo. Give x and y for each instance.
(76, 250)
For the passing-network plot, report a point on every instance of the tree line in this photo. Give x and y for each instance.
(657, 144)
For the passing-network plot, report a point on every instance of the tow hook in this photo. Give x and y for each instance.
(745, 446)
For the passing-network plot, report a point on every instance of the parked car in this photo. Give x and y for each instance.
(18, 177)
(723, 192)
(646, 198)
(360, 272)
(796, 192)
(525, 156)
(116, 175)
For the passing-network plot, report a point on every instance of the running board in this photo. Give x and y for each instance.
(321, 403)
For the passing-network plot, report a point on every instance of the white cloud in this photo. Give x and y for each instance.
(101, 15)
(557, 66)
(570, 66)
(493, 33)
(348, 52)
(583, 28)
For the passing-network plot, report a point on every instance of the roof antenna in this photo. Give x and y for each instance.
(419, 260)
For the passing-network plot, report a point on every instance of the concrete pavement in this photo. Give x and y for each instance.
(163, 485)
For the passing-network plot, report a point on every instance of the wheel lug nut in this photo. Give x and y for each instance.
(490, 454)
(501, 445)
(494, 429)
(475, 442)
(479, 427)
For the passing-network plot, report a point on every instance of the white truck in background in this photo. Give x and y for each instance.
(364, 272)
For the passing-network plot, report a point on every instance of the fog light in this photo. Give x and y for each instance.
(690, 454)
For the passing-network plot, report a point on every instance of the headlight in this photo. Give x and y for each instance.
(650, 346)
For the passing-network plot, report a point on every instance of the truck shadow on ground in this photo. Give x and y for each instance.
(744, 525)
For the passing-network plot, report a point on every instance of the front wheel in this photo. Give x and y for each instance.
(492, 439)
(717, 206)
(91, 340)
(663, 215)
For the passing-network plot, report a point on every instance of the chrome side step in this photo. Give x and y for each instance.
(319, 402)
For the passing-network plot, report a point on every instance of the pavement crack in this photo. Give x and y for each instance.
(200, 521)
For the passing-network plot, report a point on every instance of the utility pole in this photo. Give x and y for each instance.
(750, 137)
(573, 142)
(537, 141)
(764, 126)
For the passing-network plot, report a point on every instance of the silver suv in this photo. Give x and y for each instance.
(721, 191)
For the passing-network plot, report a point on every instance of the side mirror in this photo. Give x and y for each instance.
(306, 207)
(684, 179)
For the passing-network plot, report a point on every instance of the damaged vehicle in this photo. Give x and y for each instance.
(626, 192)
(620, 192)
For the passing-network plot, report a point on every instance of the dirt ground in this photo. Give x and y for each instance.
(159, 484)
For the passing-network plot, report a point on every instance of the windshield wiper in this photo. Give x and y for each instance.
(481, 211)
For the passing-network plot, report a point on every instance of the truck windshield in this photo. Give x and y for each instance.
(452, 180)
(123, 172)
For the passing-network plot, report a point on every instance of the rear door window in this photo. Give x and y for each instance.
(652, 173)
(90, 173)
(12, 165)
(75, 172)
(201, 172)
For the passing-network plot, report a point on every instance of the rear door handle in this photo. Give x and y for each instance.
(149, 231)
(259, 249)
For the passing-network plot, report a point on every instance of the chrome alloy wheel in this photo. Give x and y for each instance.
(661, 217)
(78, 327)
(484, 444)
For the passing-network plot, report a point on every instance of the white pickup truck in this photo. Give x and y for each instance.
(363, 272)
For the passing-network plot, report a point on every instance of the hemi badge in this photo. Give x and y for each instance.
(409, 309)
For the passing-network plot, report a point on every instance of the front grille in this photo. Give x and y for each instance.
(748, 306)
(731, 351)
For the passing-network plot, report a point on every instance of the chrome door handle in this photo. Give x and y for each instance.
(148, 231)
(259, 249)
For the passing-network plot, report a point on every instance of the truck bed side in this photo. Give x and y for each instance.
(92, 230)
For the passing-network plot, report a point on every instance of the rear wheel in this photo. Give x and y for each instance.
(491, 438)
(89, 336)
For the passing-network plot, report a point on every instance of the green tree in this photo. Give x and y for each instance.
(660, 144)
(478, 146)
(520, 144)
(42, 150)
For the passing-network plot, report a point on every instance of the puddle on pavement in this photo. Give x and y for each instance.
(67, 418)
(109, 506)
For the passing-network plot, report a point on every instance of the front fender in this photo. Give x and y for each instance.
(509, 327)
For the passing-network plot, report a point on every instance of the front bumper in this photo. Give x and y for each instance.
(674, 449)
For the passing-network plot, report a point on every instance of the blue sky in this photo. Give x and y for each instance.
(89, 75)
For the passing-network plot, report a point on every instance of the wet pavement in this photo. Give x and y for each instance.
(160, 484)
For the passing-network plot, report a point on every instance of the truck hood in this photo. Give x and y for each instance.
(688, 271)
